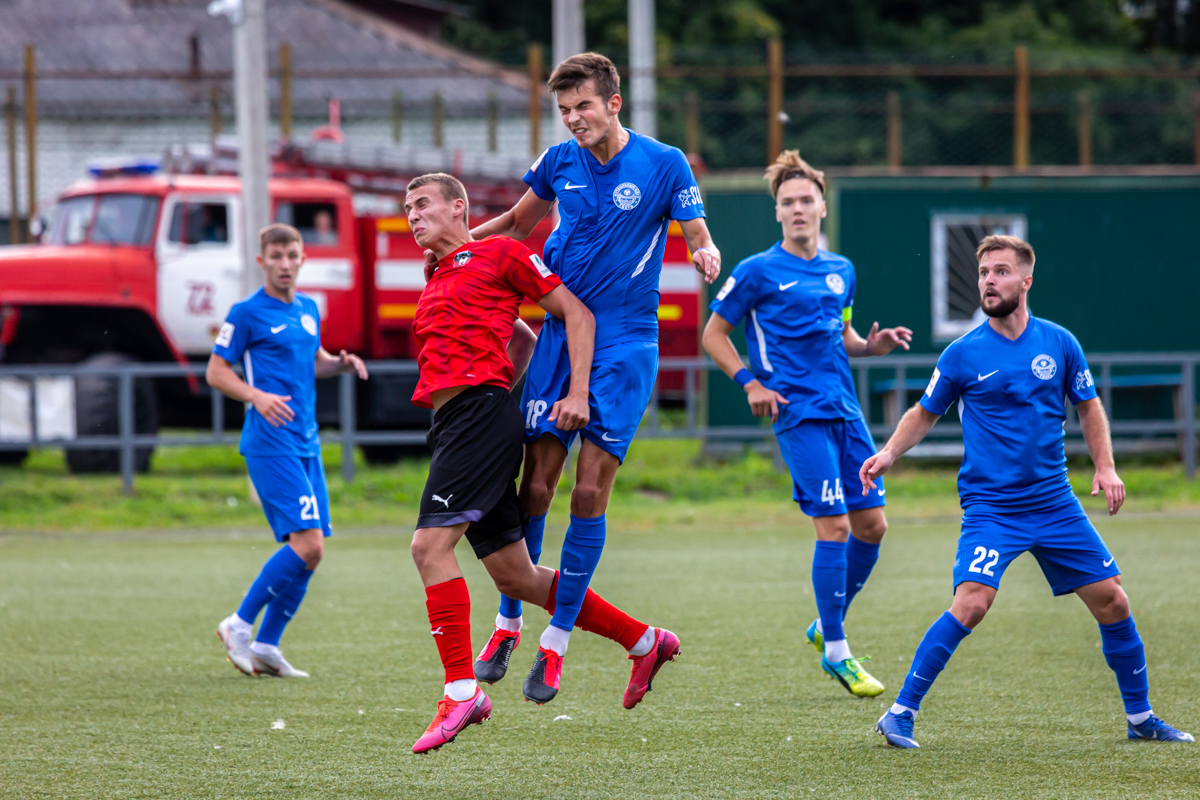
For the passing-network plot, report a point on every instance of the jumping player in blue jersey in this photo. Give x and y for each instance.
(617, 191)
(1010, 379)
(796, 300)
(276, 334)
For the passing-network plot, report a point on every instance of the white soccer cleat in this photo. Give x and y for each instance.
(275, 665)
(237, 645)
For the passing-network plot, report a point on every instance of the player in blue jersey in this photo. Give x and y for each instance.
(617, 191)
(1011, 378)
(276, 334)
(796, 300)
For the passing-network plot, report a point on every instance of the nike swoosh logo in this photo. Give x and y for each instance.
(568, 187)
(882, 492)
(462, 722)
(573, 574)
(783, 287)
(272, 592)
(839, 594)
(278, 328)
(1106, 563)
(606, 438)
(990, 374)
(1140, 671)
(915, 675)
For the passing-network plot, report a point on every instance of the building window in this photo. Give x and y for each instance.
(954, 270)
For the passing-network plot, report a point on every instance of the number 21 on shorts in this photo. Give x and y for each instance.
(308, 507)
(977, 566)
(835, 496)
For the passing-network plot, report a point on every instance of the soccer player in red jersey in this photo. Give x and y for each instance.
(473, 347)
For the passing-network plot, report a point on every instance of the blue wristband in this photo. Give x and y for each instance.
(743, 377)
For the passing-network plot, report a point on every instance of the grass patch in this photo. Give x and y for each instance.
(112, 684)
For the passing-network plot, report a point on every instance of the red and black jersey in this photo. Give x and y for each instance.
(465, 316)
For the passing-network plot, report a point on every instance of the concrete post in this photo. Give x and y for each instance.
(569, 39)
(642, 62)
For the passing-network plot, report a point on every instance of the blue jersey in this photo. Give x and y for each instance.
(277, 344)
(795, 310)
(612, 229)
(1010, 398)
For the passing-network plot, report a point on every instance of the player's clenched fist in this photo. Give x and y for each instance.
(431, 262)
(872, 468)
(570, 414)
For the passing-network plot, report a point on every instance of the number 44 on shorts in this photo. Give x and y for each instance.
(835, 496)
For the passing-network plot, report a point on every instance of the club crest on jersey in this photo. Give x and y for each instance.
(835, 283)
(627, 196)
(1044, 367)
(309, 324)
(462, 258)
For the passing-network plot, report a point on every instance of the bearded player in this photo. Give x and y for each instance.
(796, 300)
(473, 346)
(617, 191)
(1011, 378)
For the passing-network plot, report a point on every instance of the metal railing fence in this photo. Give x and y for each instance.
(1177, 371)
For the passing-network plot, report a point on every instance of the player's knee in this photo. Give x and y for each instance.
(1116, 607)
(970, 607)
(422, 552)
(588, 499)
(872, 530)
(538, 496)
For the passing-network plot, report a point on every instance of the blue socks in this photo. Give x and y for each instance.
(282, 608)
(580, 554)
(932, 654)
(280, 570)
(829, 586)
(535, 529)
(860, 560)
(1125, 655)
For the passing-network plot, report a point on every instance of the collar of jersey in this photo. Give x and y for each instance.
(594, 163)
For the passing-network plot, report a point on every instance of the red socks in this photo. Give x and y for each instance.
(449, 607)
(601, 617)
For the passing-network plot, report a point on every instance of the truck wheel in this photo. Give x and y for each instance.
(96, 414)
(385, 455)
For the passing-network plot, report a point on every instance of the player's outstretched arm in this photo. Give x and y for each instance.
(518, 222)
(878, 342)
(273, 407)
(328, 365)
(520, 348)
(1096, 433)
(572, 412)
(763, 401)
(913, 427)
(705, 255)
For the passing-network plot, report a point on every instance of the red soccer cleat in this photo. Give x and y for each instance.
(492, 662)
(666, 647)
(452, 718)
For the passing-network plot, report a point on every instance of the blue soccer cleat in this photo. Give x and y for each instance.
(1154, 728)
(897, 729)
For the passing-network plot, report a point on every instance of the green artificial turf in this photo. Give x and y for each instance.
(112, 684)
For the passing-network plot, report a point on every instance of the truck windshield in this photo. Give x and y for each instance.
(112, 219)
(72, 217)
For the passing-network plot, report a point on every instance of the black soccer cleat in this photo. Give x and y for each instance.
(542, 683)
(492, 663)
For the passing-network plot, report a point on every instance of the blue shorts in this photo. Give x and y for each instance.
(824, 456)
(1062, 539)
(292, 490)
(622, 380)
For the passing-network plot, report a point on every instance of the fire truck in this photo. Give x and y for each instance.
(144, 267)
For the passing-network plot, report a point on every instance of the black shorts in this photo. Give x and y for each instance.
(477, 441)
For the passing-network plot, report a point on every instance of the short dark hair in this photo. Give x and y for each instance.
(278, 233)
(451, 188)
(578, 70)
(790, 165)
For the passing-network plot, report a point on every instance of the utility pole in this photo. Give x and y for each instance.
(569, 39)
(248, 19)
(642, 61)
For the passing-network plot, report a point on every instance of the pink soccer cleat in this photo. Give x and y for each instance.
(666, 647)
(451, 718)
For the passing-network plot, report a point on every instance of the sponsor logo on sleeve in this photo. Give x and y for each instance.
(690, 197)
(539, 265)
(937, 373)
(627, 196)
(538, 163)
(1044, 367)
(721, 295)
(1083, 380)
(835, 283)
(225, 335)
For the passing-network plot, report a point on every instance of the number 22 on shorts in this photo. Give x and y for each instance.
(834, 496)
(982, 553)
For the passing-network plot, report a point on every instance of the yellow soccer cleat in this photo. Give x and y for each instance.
(850, 674)
(815, 638)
